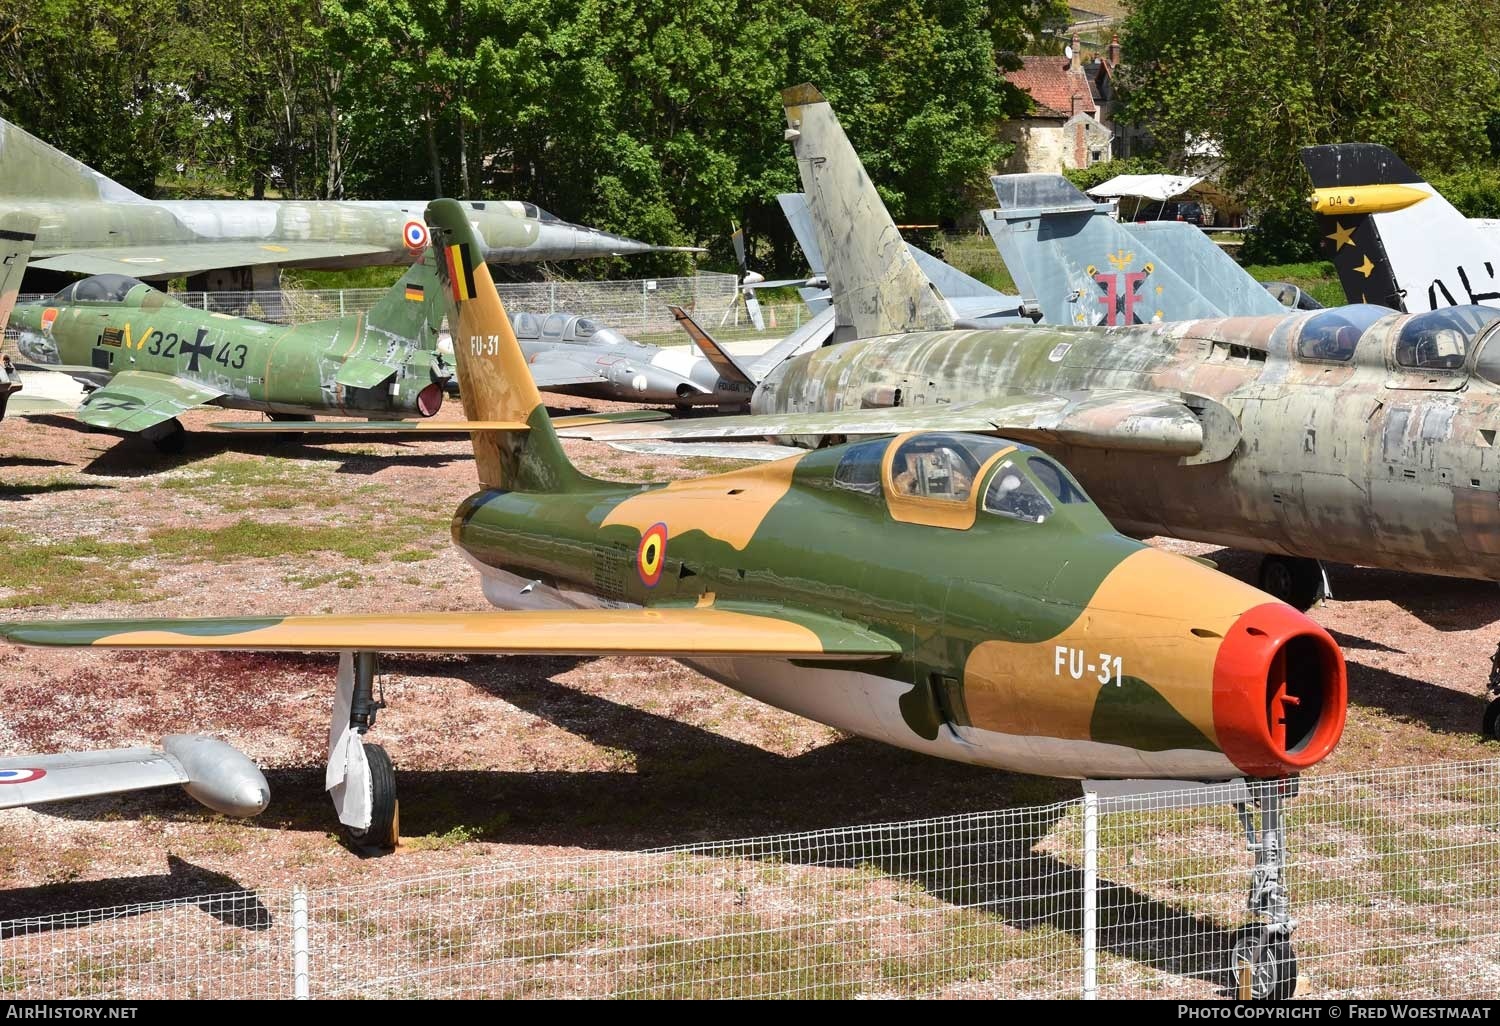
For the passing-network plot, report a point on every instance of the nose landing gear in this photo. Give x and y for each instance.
(1300, 583)
(1263, 965)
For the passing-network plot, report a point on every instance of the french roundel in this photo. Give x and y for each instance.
(414, 234)
(21, 776)
(652, 555)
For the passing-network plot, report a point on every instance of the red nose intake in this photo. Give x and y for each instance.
(1280, 692)
(430, 399)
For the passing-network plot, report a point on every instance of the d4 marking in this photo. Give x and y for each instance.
(1076, 662)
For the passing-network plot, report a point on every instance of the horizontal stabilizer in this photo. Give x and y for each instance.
(722, 360)
(359, 372)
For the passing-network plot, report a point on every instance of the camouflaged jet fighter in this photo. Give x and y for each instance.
(91, 225)
(954, 594)
(149, 358)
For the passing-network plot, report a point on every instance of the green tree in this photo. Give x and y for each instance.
(1254, 80)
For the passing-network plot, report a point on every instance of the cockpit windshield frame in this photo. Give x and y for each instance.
(1440, 341)
(100, 288)
(1332, 335)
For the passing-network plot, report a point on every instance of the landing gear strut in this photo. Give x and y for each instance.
(360, 778)
(169, 437)
(1262, 964)
(1492, 711)
(1298, 582)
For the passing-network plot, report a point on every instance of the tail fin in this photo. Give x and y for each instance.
(414, 306)
(493, 378)
(1392, 237)
(17, 235)
(30, 169)
(877, 287)
(720, 358)
(1075, 263)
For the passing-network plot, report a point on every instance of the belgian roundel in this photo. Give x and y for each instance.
(21, 776)
(414, 234)
(652, 555)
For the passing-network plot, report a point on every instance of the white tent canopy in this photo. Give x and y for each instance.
(1160, 188)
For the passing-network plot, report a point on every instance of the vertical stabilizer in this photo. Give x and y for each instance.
(877, 287)
(493, 378)
(1392, 237)
(30, 169)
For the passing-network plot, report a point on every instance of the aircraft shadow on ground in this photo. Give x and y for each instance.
(136, 457)
(183, 883)
(30, 461)
(23, 492)
(689, 785)
(1442, 603)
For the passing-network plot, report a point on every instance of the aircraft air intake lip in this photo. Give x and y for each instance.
(1280, 692)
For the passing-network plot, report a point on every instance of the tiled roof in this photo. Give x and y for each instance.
(1052, 86)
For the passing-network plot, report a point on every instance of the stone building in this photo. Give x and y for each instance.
(1071, 121)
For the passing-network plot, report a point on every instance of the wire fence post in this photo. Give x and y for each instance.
(300, 982)
(1090, 895)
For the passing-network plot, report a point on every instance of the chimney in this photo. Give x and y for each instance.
(1076, 63)
(1114, 50)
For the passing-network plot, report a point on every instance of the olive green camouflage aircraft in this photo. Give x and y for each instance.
(93, 225)
(949, 593)
(953, 594)
(149, 358)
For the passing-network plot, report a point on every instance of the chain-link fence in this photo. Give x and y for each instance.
(629, 306)
(1394, 883)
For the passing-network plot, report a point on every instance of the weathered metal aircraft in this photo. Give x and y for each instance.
(1354, 434)
(150, 358)
(954, 594)
(1393, 238)
(17, 234)
(92, 225)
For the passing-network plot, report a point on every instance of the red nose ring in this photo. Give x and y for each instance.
(1280, 692)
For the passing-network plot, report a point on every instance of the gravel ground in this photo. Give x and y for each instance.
(520, 757)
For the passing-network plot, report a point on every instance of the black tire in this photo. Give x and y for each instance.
(1272, 965)
(384, 830)
(1295, 581)
(173, 441)
(1492, 719)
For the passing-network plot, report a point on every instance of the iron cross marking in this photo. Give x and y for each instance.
(197, 349)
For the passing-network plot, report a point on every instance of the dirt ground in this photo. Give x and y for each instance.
(520, 757)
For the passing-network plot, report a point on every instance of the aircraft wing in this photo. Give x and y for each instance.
(550, 370)
(1190, 427)
(738, 629)
(137, 400)
(424, 427)
(174, 259)
(22, 405)
(212, 771)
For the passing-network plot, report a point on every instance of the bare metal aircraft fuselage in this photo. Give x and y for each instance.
(1359, 459)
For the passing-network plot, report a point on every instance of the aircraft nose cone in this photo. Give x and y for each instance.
(1280, 691)
(559, 240)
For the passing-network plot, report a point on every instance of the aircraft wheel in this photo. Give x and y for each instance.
(1492, 719)
(384, 830)
(173, 438)
(1262, 970)
(1297, 582)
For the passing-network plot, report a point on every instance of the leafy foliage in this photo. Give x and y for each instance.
(658, 120)
(1097, 174)
(1254, 80)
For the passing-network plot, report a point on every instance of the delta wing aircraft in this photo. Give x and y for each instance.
(149, 358)
(1393, 238)
(93, 225)
(954, 594)
(1355, 434)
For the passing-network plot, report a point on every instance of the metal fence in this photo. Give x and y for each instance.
(1394, 882)
(629, 306)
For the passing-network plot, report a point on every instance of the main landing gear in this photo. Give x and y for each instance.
(169, 437)
(1300, 583)
(1492, 711)
(360, 777)
(1262, 964)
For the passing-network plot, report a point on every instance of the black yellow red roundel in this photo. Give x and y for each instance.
(652, 555)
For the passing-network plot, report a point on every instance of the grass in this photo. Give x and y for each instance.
(1318, 279)
(75, 572)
